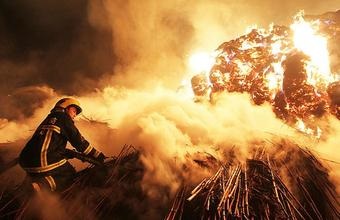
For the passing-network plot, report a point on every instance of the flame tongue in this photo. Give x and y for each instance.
(289, 68)
(309, 41)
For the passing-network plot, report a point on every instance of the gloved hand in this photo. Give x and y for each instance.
(101, 157)
(69, 154)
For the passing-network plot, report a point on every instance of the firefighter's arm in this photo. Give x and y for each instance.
(79, 142)
(70, 154)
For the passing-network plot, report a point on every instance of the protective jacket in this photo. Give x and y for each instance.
(44, 152)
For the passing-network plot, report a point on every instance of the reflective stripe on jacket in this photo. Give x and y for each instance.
(44, 151)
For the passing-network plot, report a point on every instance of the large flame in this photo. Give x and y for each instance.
(290, 68)
(201, 62)
(308, 40)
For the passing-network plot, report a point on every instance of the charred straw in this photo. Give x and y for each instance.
(255, 190)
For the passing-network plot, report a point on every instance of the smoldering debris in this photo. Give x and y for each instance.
(279, 181)
(294, 185)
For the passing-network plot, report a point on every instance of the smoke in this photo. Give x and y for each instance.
(170, 129)
(46, 206)
(327, 150)
(156, 38)
(124, 61)
(50, 44)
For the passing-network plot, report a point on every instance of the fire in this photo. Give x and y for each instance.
(274, 78)
(287, 67)
(302, 127)
(201, 62)
(307, 39)
(276, 47)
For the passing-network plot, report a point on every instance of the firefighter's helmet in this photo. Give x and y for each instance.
(66, 102)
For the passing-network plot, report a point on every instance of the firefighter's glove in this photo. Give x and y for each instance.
(101, 157)
(69, 154)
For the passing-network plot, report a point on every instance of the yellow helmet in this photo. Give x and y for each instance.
(66, 102)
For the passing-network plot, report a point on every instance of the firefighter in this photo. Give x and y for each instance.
(43, 157)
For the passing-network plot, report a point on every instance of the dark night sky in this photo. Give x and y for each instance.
(49, 43)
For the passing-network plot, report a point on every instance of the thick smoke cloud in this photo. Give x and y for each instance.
(164, 34)
(167, 126)
(50, 44)
(124, 61)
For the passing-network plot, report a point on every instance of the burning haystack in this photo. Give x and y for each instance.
(290, 68)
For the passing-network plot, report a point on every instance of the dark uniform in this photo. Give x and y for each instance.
(43, 156)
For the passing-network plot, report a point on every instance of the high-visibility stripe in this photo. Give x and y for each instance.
(46, 143)
(36, 187)
(43, 154)
(51, 127)
(96, 154)
(51, 182)
(88, 150)
(46, 168)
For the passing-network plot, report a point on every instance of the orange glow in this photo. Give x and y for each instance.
(287, 67)
(274, 79)
(308, 40)
(276, 47)
(201, 62)
(302, 127)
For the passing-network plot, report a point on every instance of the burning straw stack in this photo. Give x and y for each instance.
(256, 190)
(280, 77)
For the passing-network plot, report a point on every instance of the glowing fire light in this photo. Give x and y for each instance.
(302, 127)
(274, 79)
(308, 41)
(201, 62)
(264, 63)
(276, 47)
